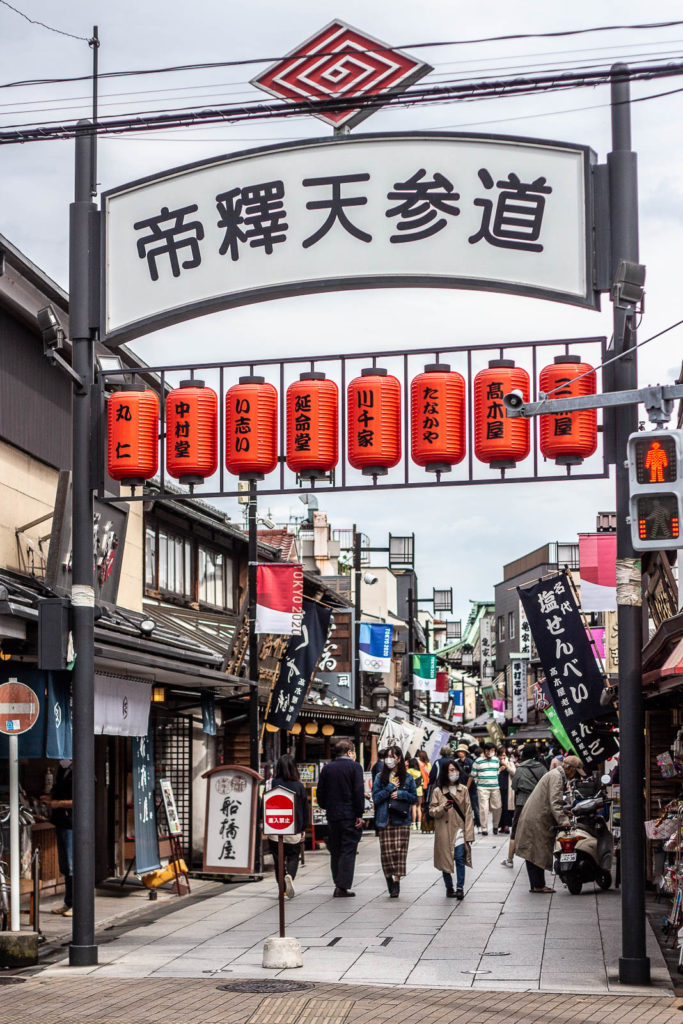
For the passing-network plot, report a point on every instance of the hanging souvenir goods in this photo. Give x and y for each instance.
(499, 440)
(251, 428)
(132, 434)
(312, 436)
(374, 421)
(192, 432)
(437, 423)
(568, 437)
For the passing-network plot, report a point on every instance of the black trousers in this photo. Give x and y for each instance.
(342, 842)
(536, 875)
(290, 854)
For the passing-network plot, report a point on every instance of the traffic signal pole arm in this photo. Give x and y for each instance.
(658, 400)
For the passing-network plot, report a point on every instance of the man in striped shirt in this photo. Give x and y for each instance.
(485, 773)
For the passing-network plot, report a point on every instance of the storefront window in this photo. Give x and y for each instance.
(150, 558)
(175, 564)
(212, 582)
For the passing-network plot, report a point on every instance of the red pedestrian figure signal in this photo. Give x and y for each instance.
(656, 461)
(655, 458)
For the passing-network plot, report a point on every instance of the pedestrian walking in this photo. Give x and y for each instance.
(286, 775)
(377, 766)
(60, 802)
(530, 771)
(413, 766)
(341, 794)
(485, 773)
(543, 811)
(453, 828)
(393, 794)
(505, 775)
(464, 760)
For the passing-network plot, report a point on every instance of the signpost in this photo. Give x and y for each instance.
(19, 709)
(279, 819)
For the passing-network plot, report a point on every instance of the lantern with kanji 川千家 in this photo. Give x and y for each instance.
(312, 429)
(437, 423)
(499, 440)
(251, 428)
(568, 437)
(374, 421)
(132, 434)
(191, 432)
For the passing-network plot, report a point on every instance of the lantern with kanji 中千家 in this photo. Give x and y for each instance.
(437, 421)
(132, 434)
(312, 428)
(499, 440)
(568, 437)
(374, 421)
(191, 432)
(251, 428)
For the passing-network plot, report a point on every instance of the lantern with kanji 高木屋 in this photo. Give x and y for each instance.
(437, 421)
(312, 425)
(374, 422)
(568, 437)
(499, 440)
(191, 432)
(132, 434)
(251, 428)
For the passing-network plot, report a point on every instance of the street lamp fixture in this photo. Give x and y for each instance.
(379, 698)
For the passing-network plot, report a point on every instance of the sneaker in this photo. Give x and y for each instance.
(68, 912)
(484, 832)
(289, 888)
(508, 862)
(459, 894)
(450, 894)
(60, 910)
(495, 831)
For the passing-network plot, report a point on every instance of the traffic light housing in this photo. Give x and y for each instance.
(655, 467)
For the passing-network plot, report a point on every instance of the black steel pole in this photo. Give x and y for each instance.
(634, 965)
(83, 286)
(358, 611)
(429, 696)
(254, 739)
(411, 643)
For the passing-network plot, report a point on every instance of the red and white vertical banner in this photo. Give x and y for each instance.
(279, 599)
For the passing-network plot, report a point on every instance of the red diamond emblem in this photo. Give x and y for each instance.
(339, 62)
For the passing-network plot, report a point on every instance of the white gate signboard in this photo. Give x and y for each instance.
(230, 822)
(403, 209)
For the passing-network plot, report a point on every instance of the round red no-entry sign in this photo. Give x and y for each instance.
(278, 812)
(19, 708)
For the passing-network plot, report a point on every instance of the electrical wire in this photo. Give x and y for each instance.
(41, 24)
(647, 26)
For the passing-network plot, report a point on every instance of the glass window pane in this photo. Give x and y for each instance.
(218, 595)
(188, 569)
(163, 561)
(150, 558)
(229, 599)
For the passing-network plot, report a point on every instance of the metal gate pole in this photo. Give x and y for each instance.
(411, 643)
(357, 583)
(254, 739)
(634, 965)
(83, 307)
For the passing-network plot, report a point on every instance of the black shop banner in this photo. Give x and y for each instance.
(573, 677)
(592, 743)
(298, 665)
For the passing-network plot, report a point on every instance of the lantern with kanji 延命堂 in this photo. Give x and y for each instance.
(374, 421)
(191, 432)
(312, 431)
(437, 424)
(132, 434)
(568, 437)
(251, 428)
(499, 440)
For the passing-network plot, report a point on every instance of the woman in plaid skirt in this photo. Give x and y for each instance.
(393, 794)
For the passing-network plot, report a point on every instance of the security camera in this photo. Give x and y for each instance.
(513, 401)
(369, 578)
(269, 523)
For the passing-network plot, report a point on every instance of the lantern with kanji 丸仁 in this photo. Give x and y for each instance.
(132, 434)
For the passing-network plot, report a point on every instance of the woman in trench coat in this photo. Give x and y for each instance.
(543, 811)
(451, 810)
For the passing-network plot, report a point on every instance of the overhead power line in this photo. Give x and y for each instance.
(41, 24)
(642, 27)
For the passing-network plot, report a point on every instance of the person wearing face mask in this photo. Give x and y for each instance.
(393, 794)
(451, 810)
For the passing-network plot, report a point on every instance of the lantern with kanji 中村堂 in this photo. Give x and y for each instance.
(192, 432)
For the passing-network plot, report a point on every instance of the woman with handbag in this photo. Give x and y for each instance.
(393, 794)
(451, 810)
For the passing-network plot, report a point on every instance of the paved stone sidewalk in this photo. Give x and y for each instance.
(501, 937)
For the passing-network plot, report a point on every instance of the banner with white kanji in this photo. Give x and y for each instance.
(298, 665)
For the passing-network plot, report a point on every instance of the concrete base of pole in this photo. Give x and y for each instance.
(279, 954)
(634, 970)
(82, 956)
(18, 949)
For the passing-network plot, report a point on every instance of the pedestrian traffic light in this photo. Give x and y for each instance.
(655, 466)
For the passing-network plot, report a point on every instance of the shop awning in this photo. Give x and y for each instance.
(671, 669)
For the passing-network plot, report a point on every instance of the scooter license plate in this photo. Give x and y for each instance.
(567, 858)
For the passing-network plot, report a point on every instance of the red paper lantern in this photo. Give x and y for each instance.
(437, 424)
(132, 434)
(251, 428)
(569, 437)
(192, 432)
(498, 440)
(312, 436)
(374, 421)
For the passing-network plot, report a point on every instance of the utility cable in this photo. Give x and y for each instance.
(41, 24)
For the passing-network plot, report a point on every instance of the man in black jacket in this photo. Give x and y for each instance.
(341, 794)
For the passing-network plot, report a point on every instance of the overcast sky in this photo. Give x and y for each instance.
(463, 535)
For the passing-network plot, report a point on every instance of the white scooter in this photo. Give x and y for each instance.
(584, 849)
